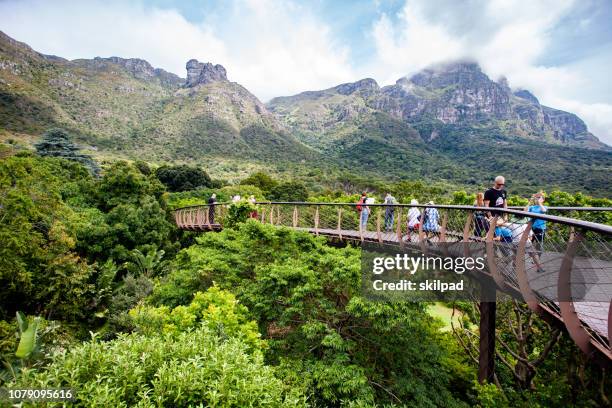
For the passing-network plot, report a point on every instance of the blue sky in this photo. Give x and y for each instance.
(561, 50)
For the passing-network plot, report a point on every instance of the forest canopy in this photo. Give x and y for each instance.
(111, 289)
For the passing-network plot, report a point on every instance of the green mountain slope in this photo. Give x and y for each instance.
(126, 107)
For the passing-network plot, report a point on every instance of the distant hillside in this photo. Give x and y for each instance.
(450, 123)
(126, 107)
(451, 94)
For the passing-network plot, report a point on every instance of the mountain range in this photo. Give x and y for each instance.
(454, 93)
(448, 122)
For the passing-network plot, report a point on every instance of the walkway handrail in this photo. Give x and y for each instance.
(601, 228)
(593, 226)
(515, 207)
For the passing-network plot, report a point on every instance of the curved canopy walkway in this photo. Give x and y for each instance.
(569, 283)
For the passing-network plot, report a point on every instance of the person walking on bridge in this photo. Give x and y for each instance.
(538, 226)
(414, 217)
(211, 208)
(360, 207)
(430, 222)
(389, 212)
(496, 196)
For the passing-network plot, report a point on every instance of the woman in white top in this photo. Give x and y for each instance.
(365, 214)
(414, 215)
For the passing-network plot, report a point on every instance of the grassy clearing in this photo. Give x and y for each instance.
(444, 313)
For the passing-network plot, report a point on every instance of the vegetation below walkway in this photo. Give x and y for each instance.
(132, 312)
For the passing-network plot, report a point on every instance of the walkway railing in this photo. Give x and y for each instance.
(566, 277)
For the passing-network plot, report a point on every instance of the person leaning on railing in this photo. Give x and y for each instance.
(389, 211)
(481, 224)
(431, 219)
(414, 218)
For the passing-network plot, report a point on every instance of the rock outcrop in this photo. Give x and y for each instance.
(365, 87)
(203, 73)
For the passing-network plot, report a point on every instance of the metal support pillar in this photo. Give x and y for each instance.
(486, 355)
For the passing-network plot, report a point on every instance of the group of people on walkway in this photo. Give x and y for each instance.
(511, 230)
(496, 197)
(431, 216)
(506, 230)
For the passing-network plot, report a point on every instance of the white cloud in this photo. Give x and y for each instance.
(279, 48)
(598, 116)
(410, 45)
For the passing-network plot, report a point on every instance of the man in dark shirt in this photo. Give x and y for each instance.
(495, 197)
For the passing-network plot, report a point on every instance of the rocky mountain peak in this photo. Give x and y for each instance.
(204, 73)
(139, 68)
(503, 82)
(525, 94)
(455, 73)
(365, 86)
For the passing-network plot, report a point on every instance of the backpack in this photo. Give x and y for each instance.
(425, 216)
(360, 204)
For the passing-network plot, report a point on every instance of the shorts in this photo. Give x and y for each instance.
(538, 234)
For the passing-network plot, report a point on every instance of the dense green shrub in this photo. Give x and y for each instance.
(182, 178)
(261, 180)
(125, 297)
(173, 370)
(40, 272)
(238, 212)
(291, 191)
(219, 309)
(243, 190)
(322, 334)
(125, 184)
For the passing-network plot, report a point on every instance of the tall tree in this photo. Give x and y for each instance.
(261, 180)
(290, 191)
(56, 143)
(183, 178)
